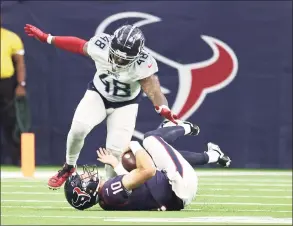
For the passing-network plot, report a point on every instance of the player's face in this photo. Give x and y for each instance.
(118, 60)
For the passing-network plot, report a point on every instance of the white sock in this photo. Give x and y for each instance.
(186, 127)
(75, 141)
(74, 147)
(213, 156)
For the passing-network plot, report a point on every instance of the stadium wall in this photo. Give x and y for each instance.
(237, 53)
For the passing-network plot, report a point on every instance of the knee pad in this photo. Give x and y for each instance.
(79, 130)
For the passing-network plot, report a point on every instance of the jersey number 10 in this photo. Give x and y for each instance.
(116, 187)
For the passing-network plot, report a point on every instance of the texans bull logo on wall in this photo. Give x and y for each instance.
(196, 80)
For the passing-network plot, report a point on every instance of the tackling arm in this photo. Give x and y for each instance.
(151, 86)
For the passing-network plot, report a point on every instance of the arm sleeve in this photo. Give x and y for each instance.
(71, 44)
(17, 46)
(120, 170)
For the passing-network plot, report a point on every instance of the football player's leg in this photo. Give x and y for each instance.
(163, 155)
(89, 112)
(178, 170)
(120, 128)
(170, 134)
(195, 158)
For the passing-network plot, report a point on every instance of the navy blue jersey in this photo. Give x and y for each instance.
(153, 194)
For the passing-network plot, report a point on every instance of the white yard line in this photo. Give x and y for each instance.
(242, 203)
(245, 184)
(247, 210)
(245, 189)
(193, 203)
(253, 220)
(69, 207)
(42, 216)
(200, 195)
(208, 219)
(247, 196)
(221, 219)
(33, 201)
(47, 174)
(31, 193)
(21, 186)
(257, 180)
(204, 181)
(39, 207)
(200, 188)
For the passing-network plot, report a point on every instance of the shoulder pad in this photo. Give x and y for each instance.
(98, 44)
(146, 65)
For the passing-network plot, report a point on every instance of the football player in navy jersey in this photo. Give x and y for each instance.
(163, 179)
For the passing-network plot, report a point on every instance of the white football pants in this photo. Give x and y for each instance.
(181, 174)
(90, 112)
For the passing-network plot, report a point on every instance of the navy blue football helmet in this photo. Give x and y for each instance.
(126, 45)
(81, 190)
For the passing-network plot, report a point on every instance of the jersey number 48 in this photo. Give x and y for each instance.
(117, 88)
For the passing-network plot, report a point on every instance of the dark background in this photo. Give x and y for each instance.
(251, 118)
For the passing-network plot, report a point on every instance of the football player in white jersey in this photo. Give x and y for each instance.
(124, 70)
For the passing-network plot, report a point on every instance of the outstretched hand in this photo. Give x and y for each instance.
(105, 156)
(35, 32)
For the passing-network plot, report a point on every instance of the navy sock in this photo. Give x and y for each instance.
(169, 134)
(195, 158)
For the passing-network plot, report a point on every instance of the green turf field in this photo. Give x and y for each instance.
(263, 197)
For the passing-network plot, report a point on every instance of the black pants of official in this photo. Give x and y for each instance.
(8, 146)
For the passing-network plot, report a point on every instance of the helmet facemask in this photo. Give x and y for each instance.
(90, 175)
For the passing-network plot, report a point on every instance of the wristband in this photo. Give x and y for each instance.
(135, 146)
(22, 83)
(119, 169)
(49, 39)
(161, 107)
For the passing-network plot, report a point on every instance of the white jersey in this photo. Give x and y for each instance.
(122, 85)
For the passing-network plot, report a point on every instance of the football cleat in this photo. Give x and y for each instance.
(59, 179)
(194, 128)
(223, 160)
(167, 123)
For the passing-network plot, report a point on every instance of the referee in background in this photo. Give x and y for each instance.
(12, 86)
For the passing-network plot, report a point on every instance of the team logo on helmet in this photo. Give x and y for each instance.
(82, 197)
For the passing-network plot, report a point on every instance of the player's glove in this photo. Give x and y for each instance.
(164, 111)
(36, 33)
